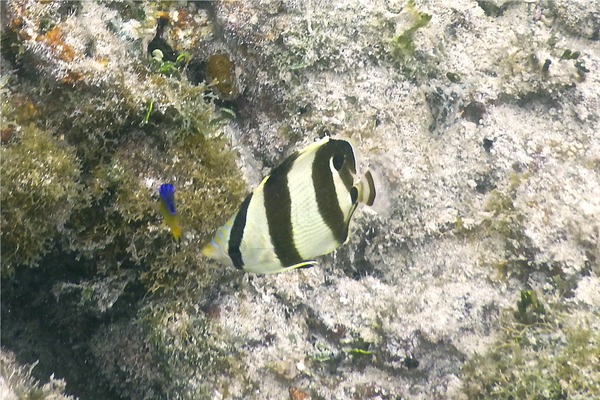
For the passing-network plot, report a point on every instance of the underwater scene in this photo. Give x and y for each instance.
(300, 199)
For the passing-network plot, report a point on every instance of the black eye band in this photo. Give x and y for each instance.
(338, 161)
(353, 195)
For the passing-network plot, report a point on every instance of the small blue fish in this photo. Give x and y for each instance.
(168, 210)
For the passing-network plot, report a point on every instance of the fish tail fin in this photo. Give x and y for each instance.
(210, 250)
(176, 231)
(366, 189)
(172, 222)
(214, 250)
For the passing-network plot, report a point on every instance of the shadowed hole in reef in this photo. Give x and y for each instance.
(36, 325)
(351, 259)
(474, 112)
(492, 10)
(485, 182)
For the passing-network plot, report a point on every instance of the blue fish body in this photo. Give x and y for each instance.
(168, 210)
(167, 195)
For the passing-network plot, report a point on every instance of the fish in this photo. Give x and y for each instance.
(168, 210)
(300, 211)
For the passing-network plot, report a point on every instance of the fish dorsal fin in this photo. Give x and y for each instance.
(286, 165)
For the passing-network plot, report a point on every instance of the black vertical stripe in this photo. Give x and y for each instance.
(237, 233)
(327, 199)
(278, 208)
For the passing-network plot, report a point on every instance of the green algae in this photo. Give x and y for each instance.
(529, 308)
(402, 46)
(118, 228)
(123, 226)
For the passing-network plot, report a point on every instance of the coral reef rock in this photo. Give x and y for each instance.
(480, 120)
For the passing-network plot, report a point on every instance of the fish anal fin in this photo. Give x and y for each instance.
(303, 264)
(308, 265)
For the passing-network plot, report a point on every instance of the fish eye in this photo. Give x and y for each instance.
(338, 161)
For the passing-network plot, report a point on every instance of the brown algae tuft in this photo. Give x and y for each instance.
(220, 70)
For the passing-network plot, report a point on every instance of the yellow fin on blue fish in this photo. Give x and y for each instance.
(168, 210)
(300, 211)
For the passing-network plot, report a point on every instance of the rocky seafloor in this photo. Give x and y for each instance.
(476, 275)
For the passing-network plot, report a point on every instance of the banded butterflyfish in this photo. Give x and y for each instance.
(300, 211)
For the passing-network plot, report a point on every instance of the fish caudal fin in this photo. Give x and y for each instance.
(210, 251)
(176, 231)
(215, 251)
(366, 189)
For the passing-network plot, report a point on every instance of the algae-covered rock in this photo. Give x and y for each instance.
(578, 17)
(16, 382)
(91, 130)
(554, 355)
(40, 191)
(168, 351)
